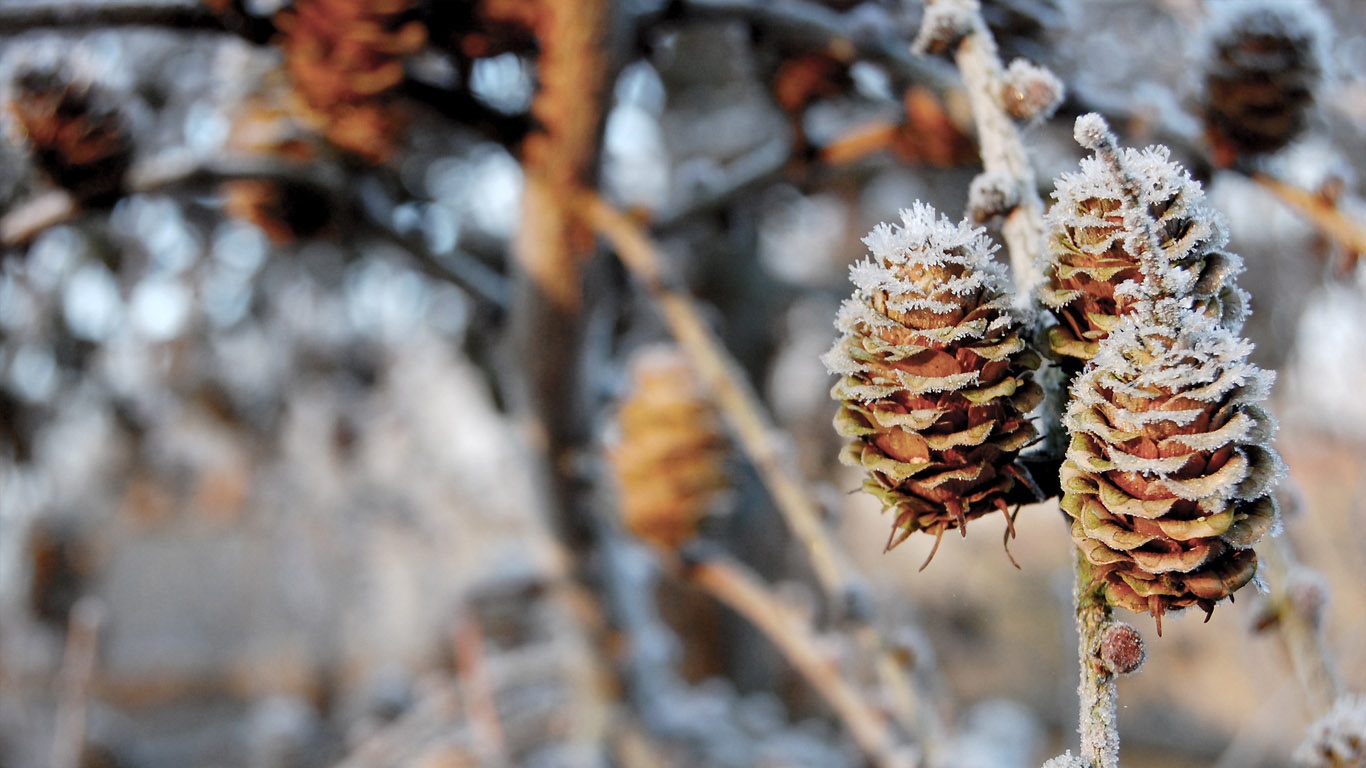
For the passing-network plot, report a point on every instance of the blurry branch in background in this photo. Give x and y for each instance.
(734, 585)
(180, 14)
(739, 404)
(490, 744)
(769, 450)
(1294, 609)
(177, 171)
(1322, 211)
(809, 26)
(77, 671)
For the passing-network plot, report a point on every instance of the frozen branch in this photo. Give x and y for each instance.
(742, 591)
(1098, 696)
(724, 378)
(1003, 151)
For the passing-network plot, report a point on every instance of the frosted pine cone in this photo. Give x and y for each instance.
(1169, 474)
(935, 375)
(76, 134)
(669, 455)
(1091, 251)
(1264, 60)
(1338, 739)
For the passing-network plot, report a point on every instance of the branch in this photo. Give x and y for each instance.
(16, 18)
(78, 667)
(1320, 211)
(726, 381)
(1003, 153)
(734, 585)
(811, 26)
(1098, 696)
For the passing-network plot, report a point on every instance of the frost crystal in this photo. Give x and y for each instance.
(1067, 760)
(935, 376)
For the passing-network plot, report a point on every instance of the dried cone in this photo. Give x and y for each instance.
(1091, 251)
(344, 56)
(76, 134)
(935, 375)
(1168, 477)
(1264, 61)
(669, 457)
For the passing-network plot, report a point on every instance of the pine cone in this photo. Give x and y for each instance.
(1168, 476)
(1263, 64)
(76, 134)
(1092, 251)
(343, 57)
(669, 456)
(935, 375)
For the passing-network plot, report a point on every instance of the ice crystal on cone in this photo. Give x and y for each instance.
(935, 375)
(1169, 474)
(669, 456)
(1093, 248)
(1263, 62)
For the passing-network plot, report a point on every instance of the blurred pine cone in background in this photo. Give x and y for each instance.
(1091, 253)
(343, 56)
(935, 375)
(1263, 63)
(76, 134)
(669, 456)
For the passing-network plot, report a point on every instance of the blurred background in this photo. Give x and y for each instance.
(267, 498)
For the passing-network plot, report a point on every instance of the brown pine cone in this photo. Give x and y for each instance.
(343, 57)
(1169, 473)
(1264, 61)
(935, 375)
(76, 135)
(668, 458)
(1091, 250)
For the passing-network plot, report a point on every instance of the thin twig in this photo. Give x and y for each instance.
(16, 18)
(734, 585)
(476, 688)
(1003, 152)
(1300, 625)
(1319, 211)
(725, 380)
(1098, 696)
(78, 668)
(810, 26)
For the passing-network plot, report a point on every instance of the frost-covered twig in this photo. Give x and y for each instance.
(1098, 696)
(737, 587)
(1003, 151)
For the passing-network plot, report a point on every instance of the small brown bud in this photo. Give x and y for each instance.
(1121, 649)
